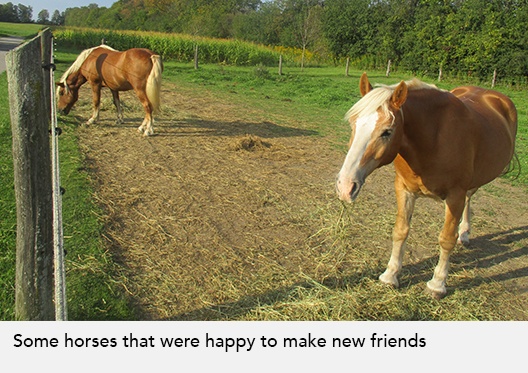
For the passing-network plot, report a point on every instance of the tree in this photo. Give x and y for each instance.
(427, 45)
(43, 17)
(57, 18)
(25, 14)
(8, 12)
(345, 26)
(307, 24)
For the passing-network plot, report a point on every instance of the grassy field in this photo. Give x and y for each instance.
(19, 29)
(321, 97)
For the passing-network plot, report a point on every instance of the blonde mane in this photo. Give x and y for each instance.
(78, 63)
(378, 98)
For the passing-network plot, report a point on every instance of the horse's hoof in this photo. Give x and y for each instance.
(436, 293)
(463, 239)
(148, 132)
(389, 280)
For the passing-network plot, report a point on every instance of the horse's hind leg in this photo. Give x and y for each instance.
(146, 126)
(447, 240)
(117, 103)
(464, 228)
(405, 201)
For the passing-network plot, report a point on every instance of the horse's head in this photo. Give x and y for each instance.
(67, 96)
(376, 122)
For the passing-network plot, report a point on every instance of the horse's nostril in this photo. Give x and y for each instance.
(353, 190)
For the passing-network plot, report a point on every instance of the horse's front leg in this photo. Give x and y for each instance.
(96, 102)
(117, 104)
(405, 201)
(454, 206)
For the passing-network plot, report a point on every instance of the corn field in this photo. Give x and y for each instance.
(179, 47)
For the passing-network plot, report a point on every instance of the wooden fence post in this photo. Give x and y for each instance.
(494, 79)
(32, 173)
(45, 57)
(280, 64)
(388, 69)
(347, 66)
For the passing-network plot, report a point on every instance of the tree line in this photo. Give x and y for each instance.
(455, 37)
(20, 13)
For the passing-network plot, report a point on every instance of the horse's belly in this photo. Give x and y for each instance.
(115, 86)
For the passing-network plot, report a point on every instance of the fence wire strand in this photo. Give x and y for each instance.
(61, 312)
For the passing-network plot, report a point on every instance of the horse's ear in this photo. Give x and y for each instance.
(399, 96)
(364, 85)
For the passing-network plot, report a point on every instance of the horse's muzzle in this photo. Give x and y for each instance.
(348, 191)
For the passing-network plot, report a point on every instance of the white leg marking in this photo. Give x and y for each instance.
(149, 131)
(437, 284)
(465, 225)
(143, 125)
(94, 118)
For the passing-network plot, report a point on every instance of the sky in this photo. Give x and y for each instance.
(61, 5)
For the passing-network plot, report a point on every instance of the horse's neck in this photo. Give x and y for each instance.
(422, 114)
(76, 79)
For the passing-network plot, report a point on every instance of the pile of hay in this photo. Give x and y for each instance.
(249, 143)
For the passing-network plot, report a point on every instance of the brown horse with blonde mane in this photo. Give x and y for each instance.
(444, 145)
(136, 69)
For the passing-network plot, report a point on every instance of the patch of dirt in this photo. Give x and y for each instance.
(223, 204)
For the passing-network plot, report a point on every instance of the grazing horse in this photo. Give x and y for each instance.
(444, 145)
(138, 69)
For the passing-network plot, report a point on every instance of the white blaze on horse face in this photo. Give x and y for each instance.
(352, 176)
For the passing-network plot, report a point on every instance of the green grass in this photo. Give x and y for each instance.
(7, 211)
(19, 29)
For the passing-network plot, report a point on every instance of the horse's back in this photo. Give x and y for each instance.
(121, 70)
(141, 54)
(134, 59)
(490, 104)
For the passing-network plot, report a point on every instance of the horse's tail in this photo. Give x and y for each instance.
(512, 121)
(154, 82)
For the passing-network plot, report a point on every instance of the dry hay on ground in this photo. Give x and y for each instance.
(223, 209)
(249, 143)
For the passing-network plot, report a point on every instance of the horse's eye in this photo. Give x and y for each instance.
(386, 133)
